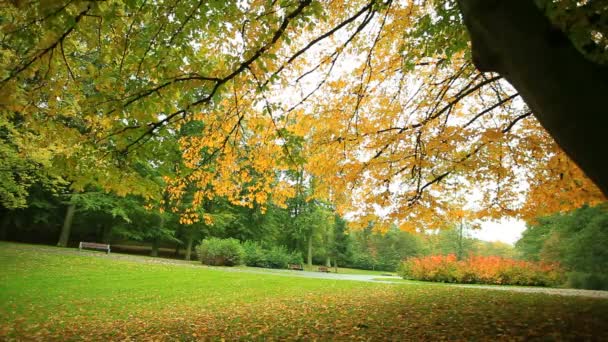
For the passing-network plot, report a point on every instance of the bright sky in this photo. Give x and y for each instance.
(505, 230)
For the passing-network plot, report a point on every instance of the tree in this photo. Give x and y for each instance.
(455, 240)
(563, 87)
(338, 250)
(381, 96)
(575, 239)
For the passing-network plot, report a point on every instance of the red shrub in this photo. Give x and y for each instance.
(481, 270)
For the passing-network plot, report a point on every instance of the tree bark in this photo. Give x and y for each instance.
(460, 237)
(156, 241)
(310, 249)
(155, 245)
(64, 236)
(566, 92)
(328, 261)
(189, 247)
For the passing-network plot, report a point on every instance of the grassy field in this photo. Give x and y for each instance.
(48, 293)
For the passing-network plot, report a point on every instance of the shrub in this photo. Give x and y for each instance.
(254, 254)
(589, 281)
(363, 261)
(220, 252)
(481, 270)
(295, 258)
(276, 257)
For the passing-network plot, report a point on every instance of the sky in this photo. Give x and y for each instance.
(506, 230)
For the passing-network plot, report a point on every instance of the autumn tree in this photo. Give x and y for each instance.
(381, 96)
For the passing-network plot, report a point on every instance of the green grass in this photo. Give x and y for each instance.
(53, 293)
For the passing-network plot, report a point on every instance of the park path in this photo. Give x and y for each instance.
(321, 275)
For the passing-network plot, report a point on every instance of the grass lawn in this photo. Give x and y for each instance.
(51, 293)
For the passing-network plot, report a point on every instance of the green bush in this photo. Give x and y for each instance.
(363, 261)
(220, 252)
(254, 254)
(276, 257)
(589, 281)
(295, 258)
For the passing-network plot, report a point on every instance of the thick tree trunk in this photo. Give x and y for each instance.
(328, 261)
(309, 260)
(189, 247)
(566, 92)
(64, 236)
(336, 264)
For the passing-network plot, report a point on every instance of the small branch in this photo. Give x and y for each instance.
(47, 50)
(485, 111)
(65, 60)
(514, 122)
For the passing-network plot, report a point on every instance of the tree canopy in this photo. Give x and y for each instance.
(375, 102)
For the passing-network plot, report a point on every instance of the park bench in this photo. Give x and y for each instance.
(323, 269)
(296, 267)
(93, 245)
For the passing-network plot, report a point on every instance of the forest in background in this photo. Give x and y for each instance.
(142, 122)
(574, 240)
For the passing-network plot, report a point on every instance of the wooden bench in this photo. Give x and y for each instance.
(324, 269)
(296, 267)
(93, 245)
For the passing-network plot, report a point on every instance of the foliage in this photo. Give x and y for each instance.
(275, 257)
(145, 300)
(253, 254)
(581, 23)
(279, 257)
(481, 270)
(576, 239)
(220, 252)
(93, 92)
(375, 251)
(338, 249)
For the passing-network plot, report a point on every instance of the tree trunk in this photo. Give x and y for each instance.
(460, 236)
(156, 241)
(566, 92)
(155, 244)
(189, 247)
(310, 250)
(328, 261)
(336, 264)
(64, 236)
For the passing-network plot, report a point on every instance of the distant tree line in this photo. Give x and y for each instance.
(307, 227)
(577, 240)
